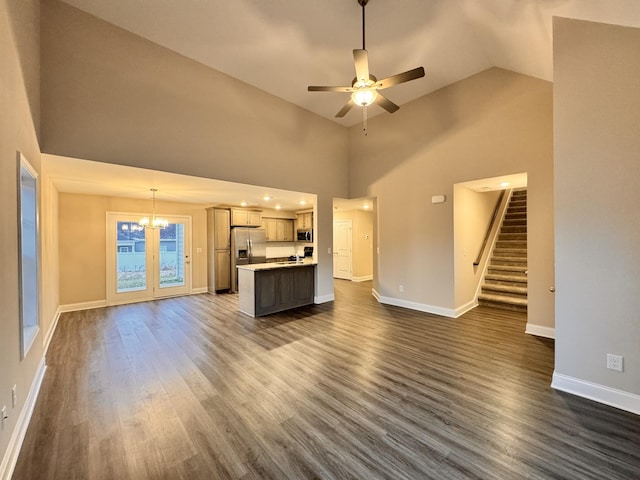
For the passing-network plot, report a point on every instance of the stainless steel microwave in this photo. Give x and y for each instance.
(305, 235)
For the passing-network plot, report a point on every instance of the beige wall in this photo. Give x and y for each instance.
(83, 242)
(494, 123)
(50, 271)
(362, 242)
(19, 130)
(111, 96)
(472, 213)
(597, 169)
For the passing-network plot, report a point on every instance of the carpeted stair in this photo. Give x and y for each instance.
(505, 284)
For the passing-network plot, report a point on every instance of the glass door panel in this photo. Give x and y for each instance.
(131, 257)
(174, 277)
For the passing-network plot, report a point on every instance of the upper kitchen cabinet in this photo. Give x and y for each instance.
(304, 220)
(245, 218)
(278, 229)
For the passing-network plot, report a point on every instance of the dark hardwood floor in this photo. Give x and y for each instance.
(189, 388)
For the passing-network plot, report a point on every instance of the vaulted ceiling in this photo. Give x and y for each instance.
(281, 46)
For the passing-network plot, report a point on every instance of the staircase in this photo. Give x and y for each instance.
(505, 283)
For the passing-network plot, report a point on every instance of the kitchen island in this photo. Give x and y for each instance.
(265, 288)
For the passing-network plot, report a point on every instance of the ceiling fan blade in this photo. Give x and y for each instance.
(344, 110)
(313, 88)
(361, 61)
(400, 78)
(385, 103)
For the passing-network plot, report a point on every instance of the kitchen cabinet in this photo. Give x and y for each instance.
(278, 229)
(218, 249)
(222, 269)
(273, 289)
(304, 220)
(245, 218)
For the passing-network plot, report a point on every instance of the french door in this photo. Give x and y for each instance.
(146, 263)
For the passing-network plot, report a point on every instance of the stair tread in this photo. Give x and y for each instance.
(498, 287)
(502, 299)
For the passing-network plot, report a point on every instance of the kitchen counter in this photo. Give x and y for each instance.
(273, 265)
(265, 288)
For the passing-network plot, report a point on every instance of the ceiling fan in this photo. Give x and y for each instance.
(365, 88)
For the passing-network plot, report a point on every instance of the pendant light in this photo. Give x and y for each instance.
(153, 222)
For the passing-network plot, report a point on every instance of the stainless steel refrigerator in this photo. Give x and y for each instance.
(248, 245)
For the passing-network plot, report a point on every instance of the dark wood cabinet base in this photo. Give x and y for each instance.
(262, 292)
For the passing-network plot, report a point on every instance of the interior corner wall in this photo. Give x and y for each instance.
(494, 123)
(472, 213)
(19, 130)
(111, 96)
(597, 233)
(83, 273)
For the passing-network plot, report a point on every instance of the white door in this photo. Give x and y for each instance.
(342, 249)
(144, 264)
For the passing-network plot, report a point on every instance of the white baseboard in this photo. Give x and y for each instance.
(421, 307)
(17, 437)
(74, 307)
(362, 279)
(199, 290)
(465, 308)
(52, 330)
(540, 331)
(598, 393)
(324, 298)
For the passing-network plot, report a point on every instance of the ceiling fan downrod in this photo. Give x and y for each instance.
(363, 3)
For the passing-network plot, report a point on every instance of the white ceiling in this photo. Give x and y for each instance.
(282, 46)
(71, 175)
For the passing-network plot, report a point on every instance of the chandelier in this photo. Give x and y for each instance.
(153, 222)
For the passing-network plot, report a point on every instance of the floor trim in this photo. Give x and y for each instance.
(330, 297)
(20, 430)
(420, 307)
(629, 402)
(52, 330)
(540, 331)
(75, 307)
(199, 290)
(465, 308)
(364, 278)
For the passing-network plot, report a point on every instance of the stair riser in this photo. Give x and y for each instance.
(517, 237)
(515, 262)
(512, 244)
(504, 293)
(509, 253)
(514, 229)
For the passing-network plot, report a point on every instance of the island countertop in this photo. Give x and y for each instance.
(273, 265)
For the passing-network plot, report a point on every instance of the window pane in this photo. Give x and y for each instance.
(172, 256)
(28, 255)
(131, 258)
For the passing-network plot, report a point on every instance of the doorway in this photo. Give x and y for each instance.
(147, 263)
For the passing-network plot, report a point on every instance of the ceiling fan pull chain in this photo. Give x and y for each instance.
(364, 120)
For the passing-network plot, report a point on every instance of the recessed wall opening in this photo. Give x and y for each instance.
(490, 243)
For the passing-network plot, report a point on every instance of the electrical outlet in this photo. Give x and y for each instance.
(3, 415)
(14, 396)
(401, 288)
(615, 362)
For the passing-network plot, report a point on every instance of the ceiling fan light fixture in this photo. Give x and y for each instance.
(364, 96)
